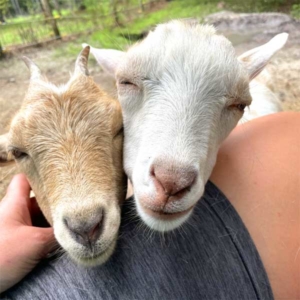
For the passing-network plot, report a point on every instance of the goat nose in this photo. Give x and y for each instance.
(87, 232)
(174, 180)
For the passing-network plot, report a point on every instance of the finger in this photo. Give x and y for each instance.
(46, 240)
(18, 192)
(16, 203)
(50, 247)
(37, 242)
(19, 187)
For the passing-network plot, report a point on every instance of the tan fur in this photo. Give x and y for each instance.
(73, 139)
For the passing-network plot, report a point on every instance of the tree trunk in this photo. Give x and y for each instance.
(1, 51)
(141, 5)
(2, 19)
(39, 5)
(113, 4)
(48, 14)
(72, 5)
(16, 6)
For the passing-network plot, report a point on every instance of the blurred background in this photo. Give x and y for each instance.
(51, 32)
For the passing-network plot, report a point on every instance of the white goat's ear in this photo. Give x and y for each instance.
(256, 59)
(4, 160)
(108, 59)
(35, 73)
(82, 61)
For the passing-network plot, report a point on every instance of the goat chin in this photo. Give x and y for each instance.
(97, 259)
(162, 225)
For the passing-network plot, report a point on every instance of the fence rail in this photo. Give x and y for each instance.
(34, 32)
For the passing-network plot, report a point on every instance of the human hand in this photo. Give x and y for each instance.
(22, 245)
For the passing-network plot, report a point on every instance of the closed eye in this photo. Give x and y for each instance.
(127, 83)
(18, 154)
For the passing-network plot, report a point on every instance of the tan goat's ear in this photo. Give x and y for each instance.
(108, 59)
(4, 160)
(256, 59)
(35, 73)
(82, 62)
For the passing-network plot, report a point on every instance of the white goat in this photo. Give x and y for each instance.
(264, 102)
(182, 91)
(68, 140)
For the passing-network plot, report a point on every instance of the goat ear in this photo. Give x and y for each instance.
(256, 59)
(35, 73)
(108, 59)
(82, 61)
(4, 160)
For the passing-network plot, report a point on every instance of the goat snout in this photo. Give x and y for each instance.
(172, 182)
(85, 232)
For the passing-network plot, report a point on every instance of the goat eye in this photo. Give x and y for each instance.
(241, 107)
(126, 83)
(18, 154)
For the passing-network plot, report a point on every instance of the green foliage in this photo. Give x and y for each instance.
(63, 13)
(105, 6)
(258, 5)
(295, 12)
(174, 10)
(4, 6)
(33, 7)
(130, 31)
(122, 37)
(95, 6)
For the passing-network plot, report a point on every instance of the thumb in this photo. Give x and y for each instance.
(51, 243)
(45, 240)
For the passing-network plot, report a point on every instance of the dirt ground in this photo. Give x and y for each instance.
(14, 76)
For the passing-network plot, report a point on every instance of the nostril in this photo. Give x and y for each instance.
(85, 232)
(94, 233)
(182, 192)
(175, 181)
(152, 171)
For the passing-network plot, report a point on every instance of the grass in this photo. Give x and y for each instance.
(23, 30)
(173, 10)
(20, 19)
(120, 37)
(34, 31)
(295, 12)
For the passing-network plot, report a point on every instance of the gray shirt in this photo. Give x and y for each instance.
(210, 257)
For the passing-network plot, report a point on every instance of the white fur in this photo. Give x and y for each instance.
(160, 225)
(264, 102)
(179, 109)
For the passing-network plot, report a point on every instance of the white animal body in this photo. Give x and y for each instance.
(182, 90)
(264, 101)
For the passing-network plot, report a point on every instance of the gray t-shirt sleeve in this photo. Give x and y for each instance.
(211, 257)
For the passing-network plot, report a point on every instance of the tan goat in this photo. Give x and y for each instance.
(68, 141)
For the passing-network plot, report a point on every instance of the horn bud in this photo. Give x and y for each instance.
(82, 61)
(35, 73)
